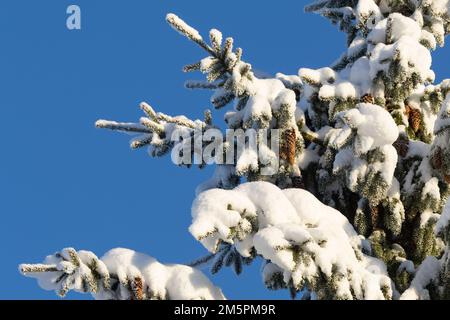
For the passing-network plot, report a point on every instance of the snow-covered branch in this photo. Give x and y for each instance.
(157, 130)
(432, 278)
(258, 104)
(121, 274)
(367, 137)
(309, 245)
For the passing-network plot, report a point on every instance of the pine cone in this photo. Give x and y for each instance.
(298, 183)
(402, 146)
(288, 146)
(415, 119)
(374, 215)
(407, 110)
(447, 178)
(137, 287)
(436, 159)
(367, 98)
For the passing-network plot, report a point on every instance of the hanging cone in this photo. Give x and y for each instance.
(437, 162)
(374, 215)
(402, 146)
(436, 159)
(447, 178)
(367, 98)
(407, 110)
(415, 119)
(288, 146)
(137, 287)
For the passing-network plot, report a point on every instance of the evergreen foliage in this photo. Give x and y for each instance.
(357, 208)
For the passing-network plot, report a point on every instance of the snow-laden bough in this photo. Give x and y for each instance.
(121, 274)
(312, 245)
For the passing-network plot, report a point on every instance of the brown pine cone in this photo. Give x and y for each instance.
(367, 98)
(436, 159)
(137, 286)
(374, 215)
(287, 151)
(407, 110)
(415, 119)
(447, 178)
(437, 162)
(402, 146)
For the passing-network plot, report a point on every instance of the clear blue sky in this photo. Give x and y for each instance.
(63, 182)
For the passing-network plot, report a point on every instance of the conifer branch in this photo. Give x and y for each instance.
(84, 272)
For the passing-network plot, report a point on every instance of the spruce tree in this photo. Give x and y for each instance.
(357, 206)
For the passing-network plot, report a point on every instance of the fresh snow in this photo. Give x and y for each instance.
(176, 282)
(285, 218)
